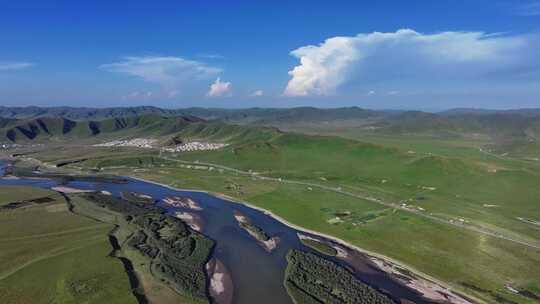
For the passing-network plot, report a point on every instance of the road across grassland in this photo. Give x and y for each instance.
(534, 245)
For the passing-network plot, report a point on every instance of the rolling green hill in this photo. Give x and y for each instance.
(498, 125)
(82, 113)
(501, 126)
(42, 130)
(47, 128)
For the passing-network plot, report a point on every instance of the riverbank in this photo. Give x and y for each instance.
(429, 287)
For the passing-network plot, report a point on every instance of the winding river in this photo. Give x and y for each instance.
(256, 274)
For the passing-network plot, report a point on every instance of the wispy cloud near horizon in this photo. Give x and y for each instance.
(169, 71)
(211, 56)
(14, 66)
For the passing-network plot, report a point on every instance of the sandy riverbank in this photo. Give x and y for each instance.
(65, 189)
(193, 220)
(182, 202)
(429, 287)
(221, 285)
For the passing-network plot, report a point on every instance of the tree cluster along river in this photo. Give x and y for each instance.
(257, 275)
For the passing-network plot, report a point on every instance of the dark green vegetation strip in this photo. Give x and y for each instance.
(176, 253)
(311, 279)
(33, 172)
(257, 232)
(137, 197)
(319, 246)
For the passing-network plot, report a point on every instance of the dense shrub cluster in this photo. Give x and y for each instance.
(33, 172)
(178, 254)
(320, 247)
(137, 197)
(311, 279)
(128, 209)
(256, 231)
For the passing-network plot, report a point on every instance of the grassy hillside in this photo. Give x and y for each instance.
(46, 129)
(459, 186)
(500, 126)
(75, 113)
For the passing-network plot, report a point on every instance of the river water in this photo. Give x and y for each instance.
(256, 274)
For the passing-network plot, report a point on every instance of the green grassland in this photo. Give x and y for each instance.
(449, 178)
(451, 187)
(49, 255)
(17, 193)
(447, 253)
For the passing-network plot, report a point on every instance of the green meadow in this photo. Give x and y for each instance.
(456, 256)
(448, 178)
(50, 255)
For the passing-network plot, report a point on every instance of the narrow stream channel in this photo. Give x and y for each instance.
(257, 275)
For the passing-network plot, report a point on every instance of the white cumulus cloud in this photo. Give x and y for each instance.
(166, 71)
(13, 66)
(257, 93)
(407, 55)
(219, 88)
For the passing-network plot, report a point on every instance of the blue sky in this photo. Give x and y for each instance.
(385, 54)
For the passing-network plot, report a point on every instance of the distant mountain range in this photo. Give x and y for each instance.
(475, 111)
(239, 115)
(236, 115)
(83, 113)
(28, 123)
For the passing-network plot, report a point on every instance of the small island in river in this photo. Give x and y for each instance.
(182, 202)
(268, 243)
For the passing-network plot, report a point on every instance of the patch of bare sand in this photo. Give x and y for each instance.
(429, 289)
(193, 220)
(182, 202)
(65, 189)
(221, 285)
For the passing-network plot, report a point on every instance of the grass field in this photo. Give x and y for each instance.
(49, 255)
(451, 254)
(450, 179)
